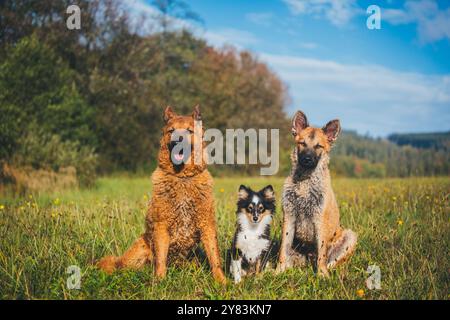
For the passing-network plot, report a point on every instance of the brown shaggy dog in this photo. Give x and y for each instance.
(181, 211)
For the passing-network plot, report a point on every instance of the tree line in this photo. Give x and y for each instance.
(435, 140)
(361, 156)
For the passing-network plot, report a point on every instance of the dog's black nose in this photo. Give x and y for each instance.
(307, 160)
(255, 218)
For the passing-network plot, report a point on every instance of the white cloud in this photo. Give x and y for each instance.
(260, 18)
(367, 98)
(139, 7)
(338, 12)
(433, 24)
(218, 37)
(144, 17)
(229, 36)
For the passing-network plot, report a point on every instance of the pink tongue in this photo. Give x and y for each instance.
(178, 157)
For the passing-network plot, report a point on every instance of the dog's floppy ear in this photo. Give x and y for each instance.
(168, 113)
(243, 192)
(268, 193)
(299, 123)
(332, 130)
(196, 114)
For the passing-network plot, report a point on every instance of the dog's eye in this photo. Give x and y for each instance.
(303, 144)
(318, 146)
(261, 208)
(171, 131)
(190, 131)
(250, 207)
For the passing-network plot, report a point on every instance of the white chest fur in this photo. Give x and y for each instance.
(249, 240)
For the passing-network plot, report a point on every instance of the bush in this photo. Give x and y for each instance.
(348, 166)
(27, 179)
(40, 150)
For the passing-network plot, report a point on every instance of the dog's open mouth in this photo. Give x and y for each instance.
(179, 153)
(179, 157)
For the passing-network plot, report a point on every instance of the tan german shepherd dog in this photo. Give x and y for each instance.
(181, 210)
(311, 226)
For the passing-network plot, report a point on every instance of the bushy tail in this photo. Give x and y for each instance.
(135, 257)
(108, 264)
(342, 248)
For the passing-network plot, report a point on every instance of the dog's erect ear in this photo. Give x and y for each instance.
(243, 192)
(268, 193)
(196, 114)
(299, 123)
(332, 130)
(168, 113)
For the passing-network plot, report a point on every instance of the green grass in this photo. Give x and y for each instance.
(402, 224)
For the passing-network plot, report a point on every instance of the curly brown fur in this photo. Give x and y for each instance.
(181, 212)
(311, 225)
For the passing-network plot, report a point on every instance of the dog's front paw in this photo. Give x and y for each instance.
(160, 274)
(237, 275)
(236, 270)
(220, 277)
(281, 267)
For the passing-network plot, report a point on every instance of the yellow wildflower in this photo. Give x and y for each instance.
(2, 207)
(56, 202)
(222, 190)
(360, 293)
(400, 222)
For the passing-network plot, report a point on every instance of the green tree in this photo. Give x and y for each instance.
(36, 87)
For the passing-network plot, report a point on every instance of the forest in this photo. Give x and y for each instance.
(437, 141)
(76, 104)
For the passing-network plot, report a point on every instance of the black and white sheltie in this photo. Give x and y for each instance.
(252, 245)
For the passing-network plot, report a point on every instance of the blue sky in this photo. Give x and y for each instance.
(396, 79)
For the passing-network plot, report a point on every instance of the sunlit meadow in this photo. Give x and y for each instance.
(402, 224)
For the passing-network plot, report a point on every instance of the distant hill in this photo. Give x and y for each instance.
(437, 140)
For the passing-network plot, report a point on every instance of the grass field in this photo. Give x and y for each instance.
(403, 227)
